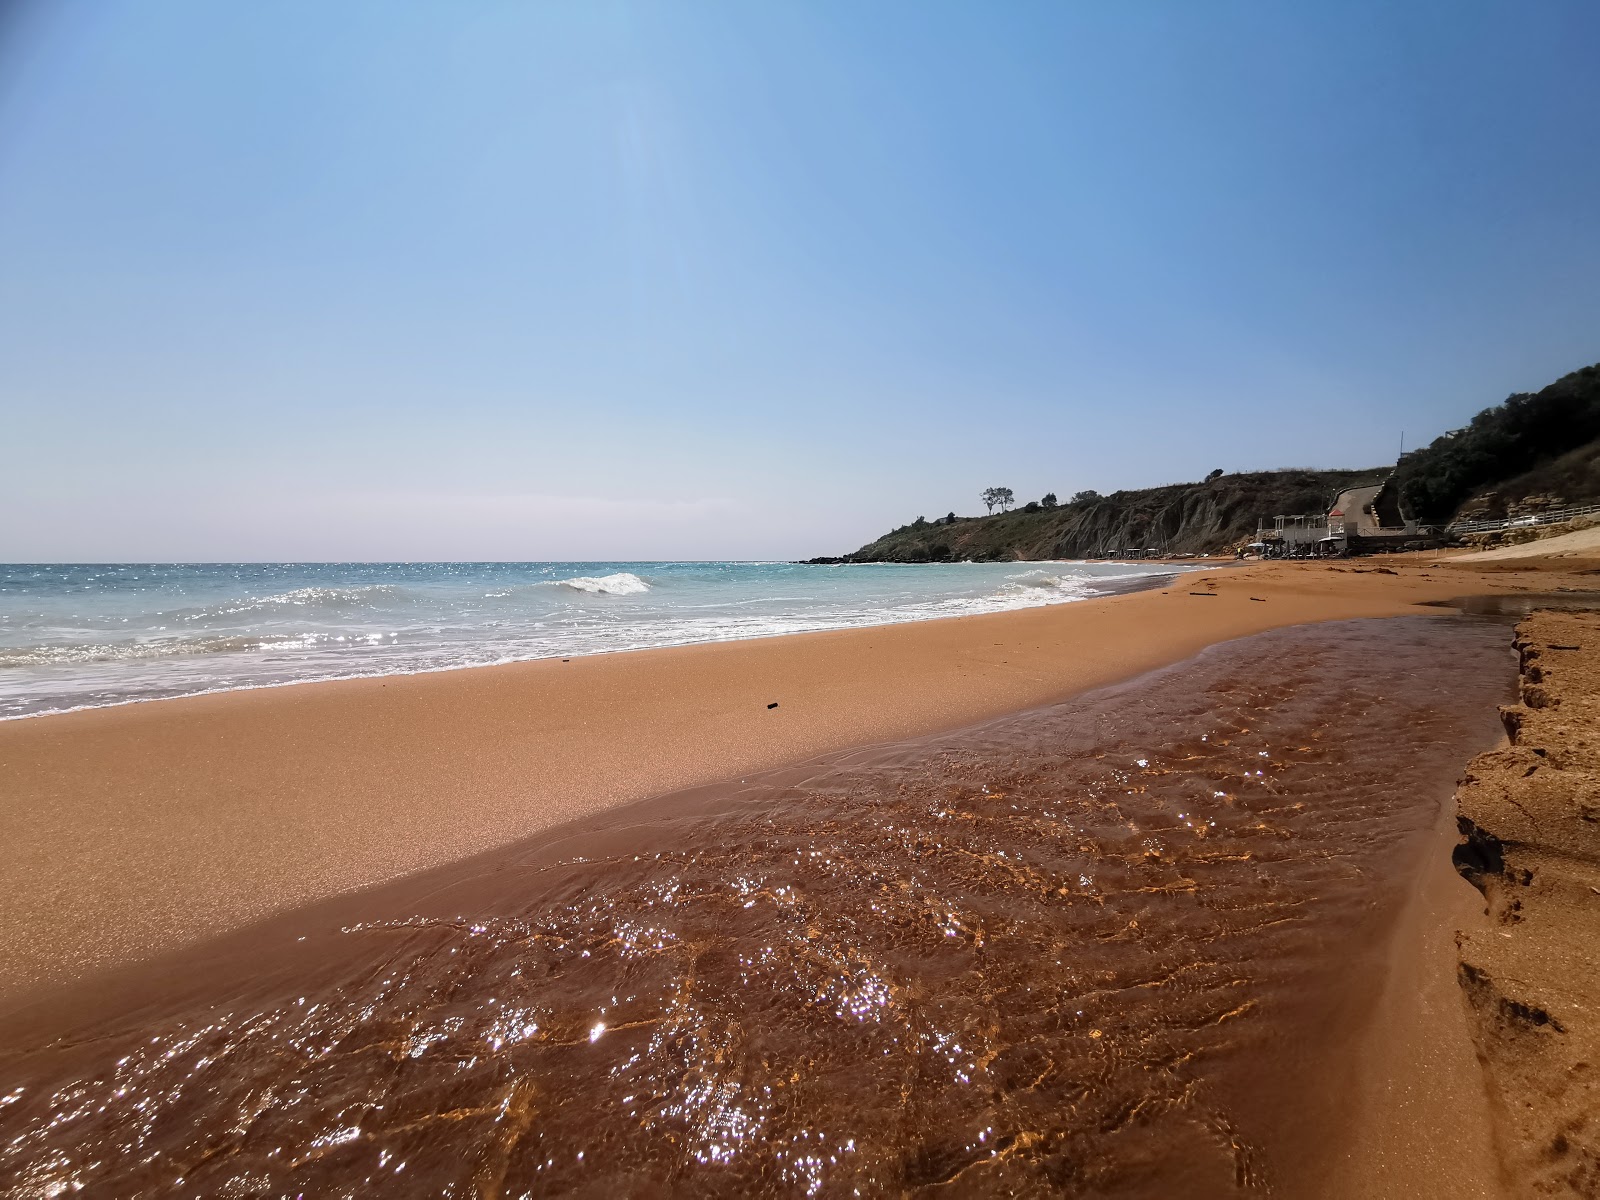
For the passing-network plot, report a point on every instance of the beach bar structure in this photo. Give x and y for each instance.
(1293, 536)
(1361, 520)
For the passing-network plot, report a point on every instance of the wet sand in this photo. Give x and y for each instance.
(1422, 1126)
(137, 829)
(1132, 944)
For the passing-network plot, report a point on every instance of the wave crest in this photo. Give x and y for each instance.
(620, 584)
(1076, 584)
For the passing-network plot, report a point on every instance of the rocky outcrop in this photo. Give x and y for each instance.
(1530, 813)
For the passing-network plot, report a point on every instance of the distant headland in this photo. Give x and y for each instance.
(1534, 451)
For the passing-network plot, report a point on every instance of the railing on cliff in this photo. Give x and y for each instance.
(1555, 516)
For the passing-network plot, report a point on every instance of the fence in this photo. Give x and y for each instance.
(1555, 516)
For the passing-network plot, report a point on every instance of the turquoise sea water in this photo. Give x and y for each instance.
(74, 636)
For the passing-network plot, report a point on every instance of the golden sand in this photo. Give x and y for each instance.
(132, 830)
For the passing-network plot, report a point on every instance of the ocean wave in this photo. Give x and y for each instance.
(300, 601)
(85, 653)
(1042, 587)
(620, 584)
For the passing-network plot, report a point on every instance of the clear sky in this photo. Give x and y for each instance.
(464, 280)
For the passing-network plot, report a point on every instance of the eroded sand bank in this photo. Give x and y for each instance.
(1531, 815)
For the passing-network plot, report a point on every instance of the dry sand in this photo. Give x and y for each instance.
(1565, 551)
(132, 830)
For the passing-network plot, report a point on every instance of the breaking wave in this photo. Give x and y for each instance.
(1046, 581)
(620, 584)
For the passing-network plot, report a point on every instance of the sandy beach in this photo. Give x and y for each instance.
(826, 600)
(135, 829)
(236, 820)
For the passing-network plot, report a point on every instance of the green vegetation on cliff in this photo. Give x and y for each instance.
(1538, 443)
(1181, 518)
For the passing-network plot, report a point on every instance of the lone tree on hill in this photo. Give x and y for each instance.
(998, 497)
(1214, 476)
(1049, 500)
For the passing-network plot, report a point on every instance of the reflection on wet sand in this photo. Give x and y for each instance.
(1108, 947)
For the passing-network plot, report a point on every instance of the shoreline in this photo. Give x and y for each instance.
(1121, 585)
(139, 828)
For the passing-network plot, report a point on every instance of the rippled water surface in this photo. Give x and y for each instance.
(1112, 947)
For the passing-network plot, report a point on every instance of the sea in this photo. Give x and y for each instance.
(87, 635)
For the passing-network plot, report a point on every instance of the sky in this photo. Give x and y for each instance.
(594, 280)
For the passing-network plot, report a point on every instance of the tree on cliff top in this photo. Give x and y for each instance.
(998, 497)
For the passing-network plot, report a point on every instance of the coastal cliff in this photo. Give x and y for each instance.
(1538, 449)
(1531, 817)
(1180, 518)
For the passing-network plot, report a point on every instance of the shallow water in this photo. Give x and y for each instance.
(1520, 604)
(1111, 947)
(83, 635)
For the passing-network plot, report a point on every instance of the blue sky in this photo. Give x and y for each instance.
(310, 280)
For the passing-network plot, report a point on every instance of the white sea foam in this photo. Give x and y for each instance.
(72, 654)
(1036, 579)
(620, 584)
